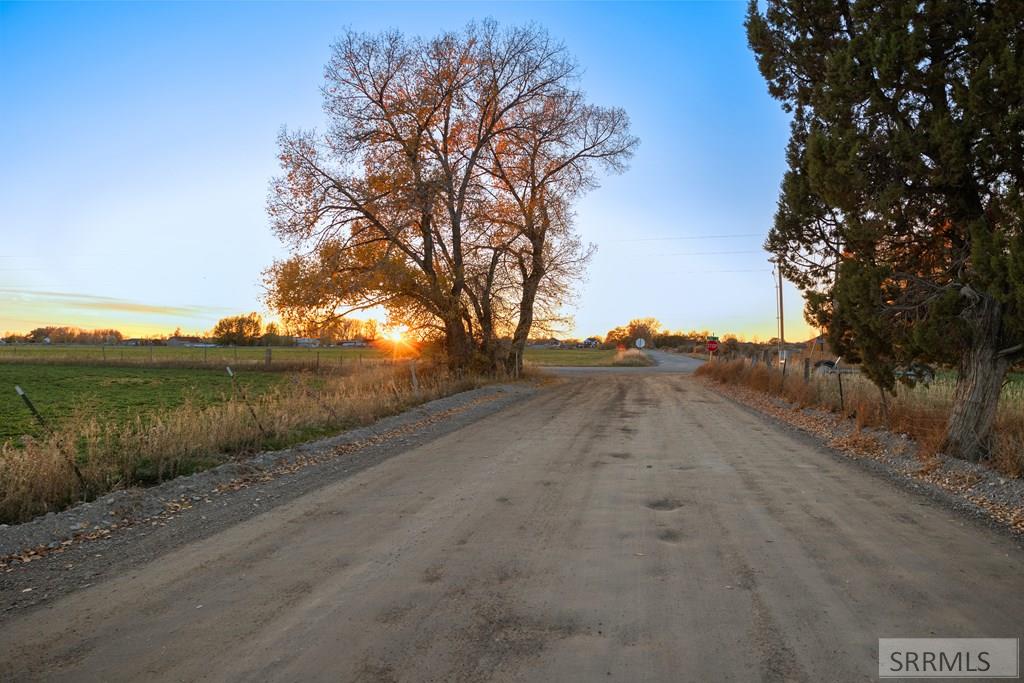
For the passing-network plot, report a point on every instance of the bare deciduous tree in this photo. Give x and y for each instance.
(441, 189)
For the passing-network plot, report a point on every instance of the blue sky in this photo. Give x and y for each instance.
(138, 140)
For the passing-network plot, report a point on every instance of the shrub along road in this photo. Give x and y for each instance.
(617, 526)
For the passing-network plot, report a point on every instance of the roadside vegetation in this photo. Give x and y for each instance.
(188, 356)
(632, 358)
(900, 212)
(62, 392)
(100, 444)
(919, 411)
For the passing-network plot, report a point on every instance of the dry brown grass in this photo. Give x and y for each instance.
(632, 358)
(89, 456)
(920, 412)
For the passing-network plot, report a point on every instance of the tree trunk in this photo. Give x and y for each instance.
(514, 363)
(531, 284)
(982, 370)
(458, 346)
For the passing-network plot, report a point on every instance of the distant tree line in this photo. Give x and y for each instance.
(65, 335)
(246, 329)
(654, 335)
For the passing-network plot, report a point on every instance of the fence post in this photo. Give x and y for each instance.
(71, 458)
(268, 356)
(807, 370)
(415, 380)
(842, 401)
(28, 402)
(317, 361)
(245, 399)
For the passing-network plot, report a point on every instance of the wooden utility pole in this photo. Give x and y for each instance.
(778, 299)
(782, 319)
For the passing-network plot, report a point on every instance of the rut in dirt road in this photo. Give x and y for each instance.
(619, 526)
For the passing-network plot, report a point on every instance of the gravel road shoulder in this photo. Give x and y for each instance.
(60, 552)
(971, 489)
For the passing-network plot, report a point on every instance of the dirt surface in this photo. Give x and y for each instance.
(974, 489)
(665, 363)
(625, 526)
(57, 553)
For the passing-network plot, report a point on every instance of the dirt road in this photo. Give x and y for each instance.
(620, 526)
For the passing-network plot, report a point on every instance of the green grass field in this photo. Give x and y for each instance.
(117, 393)
(185, 355)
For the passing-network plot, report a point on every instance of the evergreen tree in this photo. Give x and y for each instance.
(901, 214)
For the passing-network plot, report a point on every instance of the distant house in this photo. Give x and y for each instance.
(591, 343)
(187, 341)
(818, 348)
(307, 342)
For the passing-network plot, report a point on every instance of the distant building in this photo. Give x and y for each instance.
(818, 347)
(188, 341)
(307, 342)
(353, 343)
(591, 343)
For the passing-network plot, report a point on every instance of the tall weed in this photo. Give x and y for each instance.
(87, 456)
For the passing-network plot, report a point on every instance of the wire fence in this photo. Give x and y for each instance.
(271, 358)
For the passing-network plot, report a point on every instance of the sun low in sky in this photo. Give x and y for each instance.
(140, 138)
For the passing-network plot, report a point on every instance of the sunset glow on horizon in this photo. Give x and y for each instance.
(162, 169)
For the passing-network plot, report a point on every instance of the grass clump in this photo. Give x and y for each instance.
(633, 358)
(87, 454)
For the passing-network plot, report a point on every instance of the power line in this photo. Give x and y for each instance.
(690, 237)
(741, 270)
(712, 253)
